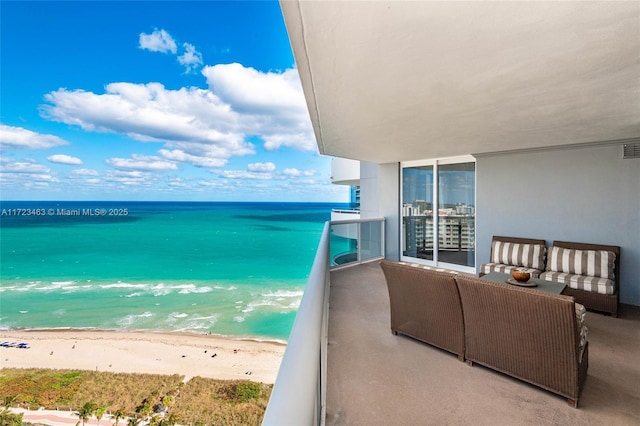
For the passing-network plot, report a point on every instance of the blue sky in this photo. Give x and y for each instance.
(154, 100)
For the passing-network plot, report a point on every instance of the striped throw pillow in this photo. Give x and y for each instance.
(527, 255)
(591, 263)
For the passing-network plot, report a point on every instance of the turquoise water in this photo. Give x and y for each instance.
(236, 269)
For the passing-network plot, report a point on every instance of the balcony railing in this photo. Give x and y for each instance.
(356, 241)
(299, 394)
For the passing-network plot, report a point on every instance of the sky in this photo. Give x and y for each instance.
(154, 100)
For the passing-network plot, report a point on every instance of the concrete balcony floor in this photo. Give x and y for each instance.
(376, 378)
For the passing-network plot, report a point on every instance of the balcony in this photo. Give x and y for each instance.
(348, 368)
(375, 377)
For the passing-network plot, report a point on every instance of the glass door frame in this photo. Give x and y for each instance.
(436, 219)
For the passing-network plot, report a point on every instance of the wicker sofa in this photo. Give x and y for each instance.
(528, 334)
(525, 333)
(590, 271)
(508, 253)
(425, 305)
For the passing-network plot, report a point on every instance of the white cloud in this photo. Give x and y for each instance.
(204, 127)
(158, 41)
(142, 162)
(129, 178)
(20, 138)
(192, 120)
(198, 161)
(191, 58)
(275, 141)
(84, 172)
(65, 159)
(272, 104)
(23, 167)
(296, 173)
(19, 178)
(212, 183)
(176, 182)
(261, 167)
(250, 90)
(26, 174)
(264, 171)
(241, 174)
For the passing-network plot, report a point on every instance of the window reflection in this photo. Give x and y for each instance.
(454, 227)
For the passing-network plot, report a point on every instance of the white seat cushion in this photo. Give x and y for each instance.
(581, 282)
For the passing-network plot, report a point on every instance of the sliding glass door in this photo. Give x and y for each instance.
(438, 213)
(417, 212)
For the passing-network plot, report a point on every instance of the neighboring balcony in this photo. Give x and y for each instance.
(344, 214)
(345, 172)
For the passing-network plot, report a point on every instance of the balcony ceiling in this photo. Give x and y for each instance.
(388, 81)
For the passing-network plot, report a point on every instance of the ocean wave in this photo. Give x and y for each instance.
(140, 289)
(160, 290)
(224, 287)
(49, 287)
(120, 284)
(193, 322)
(192, 288)
(284, 293)
(274, 300)
(62, 283)
(59, 312)
(132, 319)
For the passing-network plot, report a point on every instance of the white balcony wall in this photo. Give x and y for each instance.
(345, 215)
(345, 172)
(380, 197)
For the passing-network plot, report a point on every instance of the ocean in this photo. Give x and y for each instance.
(232, 269)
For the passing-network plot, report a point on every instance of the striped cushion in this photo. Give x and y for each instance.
(584, 331)
(582, 282)
(592, 263)
(487, 268)
(581, 314)
(527, 255)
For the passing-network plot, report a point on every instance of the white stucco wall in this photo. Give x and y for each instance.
(380, 197)
(589, 195)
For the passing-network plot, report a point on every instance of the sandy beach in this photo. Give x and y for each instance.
(186, 354)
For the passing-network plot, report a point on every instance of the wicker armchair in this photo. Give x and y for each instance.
(425, 305)
(525, 333)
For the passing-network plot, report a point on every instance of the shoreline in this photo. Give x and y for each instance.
(145, 351)
(186, 333)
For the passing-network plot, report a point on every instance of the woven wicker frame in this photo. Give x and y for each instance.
(525, 333)
(425, 305)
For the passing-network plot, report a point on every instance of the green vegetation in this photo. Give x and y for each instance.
(127, 399)
(10, 419)
(241, 391)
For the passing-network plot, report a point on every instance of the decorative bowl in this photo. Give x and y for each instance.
(520, 275)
